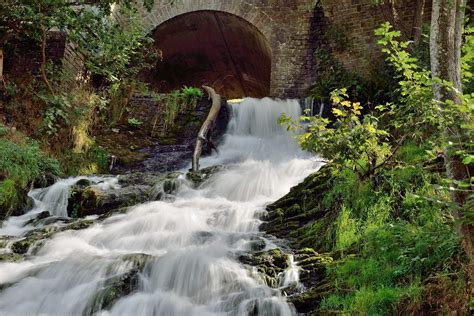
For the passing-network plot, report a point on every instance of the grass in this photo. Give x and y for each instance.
(398, 236)
(21, 162)
(179, 101)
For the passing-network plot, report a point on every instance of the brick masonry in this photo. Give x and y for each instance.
(295, 29)
(23, 57)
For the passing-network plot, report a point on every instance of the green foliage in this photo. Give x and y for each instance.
(191, 96)
(33, 18)
(391, 264)
(8, 196)
(422, 50)
(21, 163)
(390, 211)
(117, 51)
(416, 113)
(352, 141)
(114, 52)
(467, 60)
(95, 160)
(179, 101)
(398, 228)
(346, 229)
(56, 113)
(134, 122)
(331, 75)
(11, 89)
(24, 162)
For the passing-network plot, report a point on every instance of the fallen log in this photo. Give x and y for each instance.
(206, 128)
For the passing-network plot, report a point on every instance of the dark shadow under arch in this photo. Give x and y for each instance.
(215, 48)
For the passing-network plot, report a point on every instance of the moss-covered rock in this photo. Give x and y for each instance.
(119, 285)
(32, 239)
(135, 188)
(269, 264)
(301, 217)
(199, 177)
(10, 257)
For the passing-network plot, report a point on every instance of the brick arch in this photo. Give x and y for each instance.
(161, 13)
(287, 25)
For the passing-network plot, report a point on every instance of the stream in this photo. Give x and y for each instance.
(189, 244)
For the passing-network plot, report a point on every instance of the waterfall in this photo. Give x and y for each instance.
(291, 275)
(53, 199)
(190, 244)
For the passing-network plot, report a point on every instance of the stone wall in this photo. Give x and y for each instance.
(351, 26)
(295, 29)
(23, 57)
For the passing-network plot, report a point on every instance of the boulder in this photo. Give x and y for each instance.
(120, 285)
(199, 177)
(135, 188)
(269, 264)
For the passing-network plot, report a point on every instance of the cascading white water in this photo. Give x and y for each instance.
(192, 241)
(53, 199)
(291, 275)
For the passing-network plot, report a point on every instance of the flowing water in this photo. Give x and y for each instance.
(191, 242)
(53, 200)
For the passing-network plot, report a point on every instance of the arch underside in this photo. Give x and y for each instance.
(215, 48)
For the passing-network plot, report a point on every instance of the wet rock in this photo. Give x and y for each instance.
(119, 285)
(94, 201)
(308, 301)
(301, 210)
(32, 239)
(203, 237)
(80, 224)
(44, 180)
(38, 218)
(146, 179)
(53, 220)
(135, 188)
(10, 257)
(302, 219)
(312, 265)
(269, 264)
(199, 177)
(83, 183)
(5, 240)
(152, 149)
(257, 244)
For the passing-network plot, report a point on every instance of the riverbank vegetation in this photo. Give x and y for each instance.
(390, 217)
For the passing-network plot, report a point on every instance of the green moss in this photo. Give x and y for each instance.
(411, 152)
(10, 257)
(120, 285)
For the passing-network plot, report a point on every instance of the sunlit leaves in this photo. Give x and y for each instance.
(352, 141)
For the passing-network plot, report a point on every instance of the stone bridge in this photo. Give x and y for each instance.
(258, 47)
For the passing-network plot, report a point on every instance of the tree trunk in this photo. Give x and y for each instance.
(445, 48)
(44, 41)
(206, 128)
(2, 81)
(418, 22)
